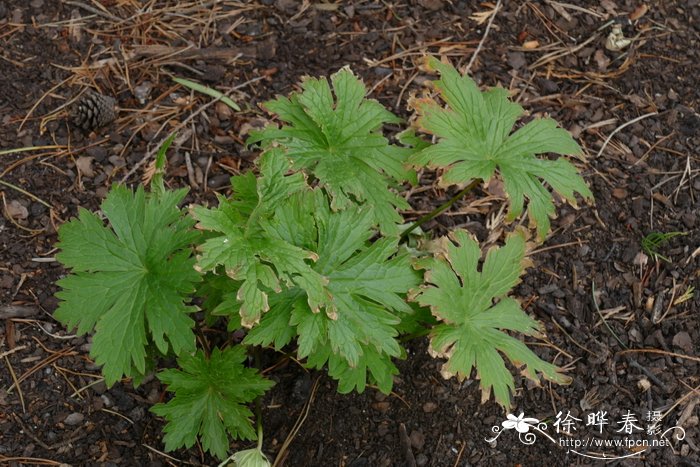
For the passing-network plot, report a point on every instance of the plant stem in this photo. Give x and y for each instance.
(415, 335)
(258, 401)
(439, 210)
(595, 303)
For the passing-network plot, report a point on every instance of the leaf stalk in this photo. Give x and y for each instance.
(439, 210)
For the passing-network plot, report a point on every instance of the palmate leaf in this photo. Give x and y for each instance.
(340, 142)
(129, 282)
(248, 254)
(209, 401)
(356, 331)
(471, 333)
(475, 140)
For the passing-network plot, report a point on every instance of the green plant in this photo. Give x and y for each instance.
(471, 330)
(340, 143)
(475, 139)
(652, 242)
(307, 254)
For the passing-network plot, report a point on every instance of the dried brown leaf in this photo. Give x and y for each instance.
(16, 210)
(638, 12)
(482, 17)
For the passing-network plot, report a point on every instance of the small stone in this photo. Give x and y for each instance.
(430, 407)
(381, 71)
(223, 111)
(286, 6)
(516, 60)
(6, 281)
(101, 192)
(689, 219)
(421, 460)
(619, 193)
(37, 209)
(84, 165)
(548, 86)
(17, 16)
(417, 440)
(98, 153)
(74, 419)
(97, 403)
(28, 450)
(381, 407)
(142, 92)
(137, 413)
(17, 210)
(117, 161)
(547, 289)
(683, 341)
(218, 181)
(153, 395)
(433, 5)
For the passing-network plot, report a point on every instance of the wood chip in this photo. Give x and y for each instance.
(619, 193)
(84, 165)
(638, 12)
(16, 210)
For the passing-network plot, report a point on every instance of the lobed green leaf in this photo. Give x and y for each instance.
(129, 282)
(355, 331)
(209, 401)
(476, 140)
(240, 244)
(340, 142)
(474, 312)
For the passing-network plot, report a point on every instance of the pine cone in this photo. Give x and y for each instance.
(93, 111)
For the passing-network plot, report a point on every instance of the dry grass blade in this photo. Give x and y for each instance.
(16, 383)
(562, 6)
(161, 453)
(11, 351)
(661, 352)
(297, 426)
(8, 214)
(181, 125)
(29, 460)
(27, 148)
(146, 33)
(208, 91)
(42, 364)
(26, 193)
(492, 14)
(616, 130)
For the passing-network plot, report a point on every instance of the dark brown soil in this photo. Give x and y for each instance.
(645, 180)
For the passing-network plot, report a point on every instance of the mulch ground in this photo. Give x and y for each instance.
(626, 324)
